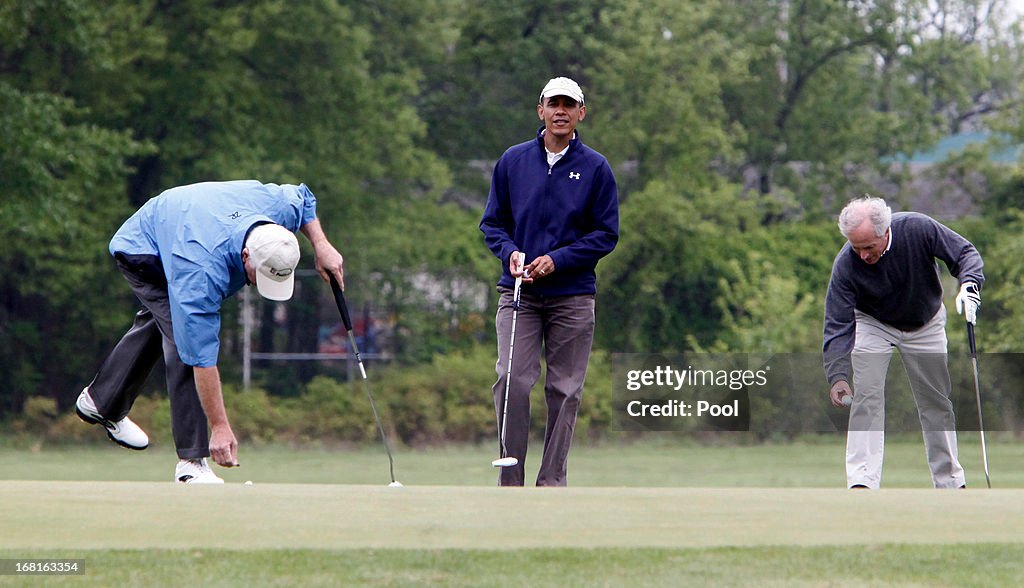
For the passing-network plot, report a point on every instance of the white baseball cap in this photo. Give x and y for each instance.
(275, 253)
(562, 87)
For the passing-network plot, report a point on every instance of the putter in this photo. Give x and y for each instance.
(977, 393)
(505, 460)
(339, 299)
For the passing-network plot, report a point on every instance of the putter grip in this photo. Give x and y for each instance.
(339, 299)
(970, 339)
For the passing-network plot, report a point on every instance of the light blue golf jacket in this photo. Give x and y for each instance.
(198, 232)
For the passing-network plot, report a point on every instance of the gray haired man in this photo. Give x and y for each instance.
(884, 294)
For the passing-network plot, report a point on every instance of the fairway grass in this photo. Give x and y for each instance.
(911, 566)
(659, 463)
(154, 515)
(653, 514)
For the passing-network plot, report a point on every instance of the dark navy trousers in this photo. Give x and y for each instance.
(151, 338)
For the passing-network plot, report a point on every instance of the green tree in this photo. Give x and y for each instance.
(808, 93)
(62, 177)
(1003, 312)
(657, 70)
(772, 296)
(659, 289)
(965, 64)
(484, 92)
(836, 89)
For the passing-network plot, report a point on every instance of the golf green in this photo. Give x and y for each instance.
(142, 515)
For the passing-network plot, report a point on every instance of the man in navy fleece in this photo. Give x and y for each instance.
(554, 199)
(885, 293)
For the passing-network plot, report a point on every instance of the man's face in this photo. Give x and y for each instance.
(561, 114)
(868, 246)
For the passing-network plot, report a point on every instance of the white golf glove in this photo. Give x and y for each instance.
(968, 301)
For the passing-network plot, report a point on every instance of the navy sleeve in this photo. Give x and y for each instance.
(960, 256)
(497, 221)
(840, 325)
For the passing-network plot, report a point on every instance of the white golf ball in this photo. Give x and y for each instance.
(248, 482)
(395, 484)
(847, 400)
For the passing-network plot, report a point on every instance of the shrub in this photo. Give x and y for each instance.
(446, 400)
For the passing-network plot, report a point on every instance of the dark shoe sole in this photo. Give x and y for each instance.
(95, 421)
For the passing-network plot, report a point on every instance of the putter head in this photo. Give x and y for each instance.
(505, 462)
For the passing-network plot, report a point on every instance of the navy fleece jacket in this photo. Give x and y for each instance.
(569, 211)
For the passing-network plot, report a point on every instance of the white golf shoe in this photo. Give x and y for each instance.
(195, 471)
(123, 432)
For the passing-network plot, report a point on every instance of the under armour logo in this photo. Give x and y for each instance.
(236, 215)
(574, 175)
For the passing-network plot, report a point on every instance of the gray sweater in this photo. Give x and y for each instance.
(902, 289)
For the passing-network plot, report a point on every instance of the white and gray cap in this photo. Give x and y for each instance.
(562, 87)
(275, 253)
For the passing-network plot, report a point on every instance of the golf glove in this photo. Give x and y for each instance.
(968, 301)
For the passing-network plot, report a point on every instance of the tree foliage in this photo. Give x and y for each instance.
(63, 185)
(736, 129)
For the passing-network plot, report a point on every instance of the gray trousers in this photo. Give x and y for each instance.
(924, 355)
(564, 328)
(151, 337)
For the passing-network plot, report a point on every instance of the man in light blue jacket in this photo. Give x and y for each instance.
(183, 253)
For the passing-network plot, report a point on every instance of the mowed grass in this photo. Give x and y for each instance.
(971, 565)
(662, 462)
(660, 513)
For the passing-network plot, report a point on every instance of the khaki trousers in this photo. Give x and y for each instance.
(924, 354)
(563, 328)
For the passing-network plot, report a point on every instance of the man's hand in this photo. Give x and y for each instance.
(224, 446)
(327, 260)
(968, 301)
(516, 267)
(840, 390)
(541, 267)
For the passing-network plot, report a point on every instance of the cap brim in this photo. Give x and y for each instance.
(560, 92)
(273, 289)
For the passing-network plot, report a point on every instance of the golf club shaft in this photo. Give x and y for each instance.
(373, 406)
(977, 394)
(511, 348)
(339, 300)
(508, 370)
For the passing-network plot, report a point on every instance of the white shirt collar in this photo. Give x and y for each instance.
(554, 157)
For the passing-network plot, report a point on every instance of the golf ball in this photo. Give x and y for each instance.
(847, 400)
(248, 482)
